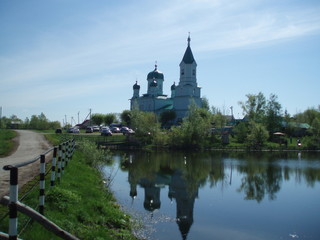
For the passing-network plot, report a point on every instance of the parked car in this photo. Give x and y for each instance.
(76, 130)
(115, 129)
(126, 131)
(58, 130)
(89, 130)
(106, 132)
(96, 128)
(73, 130)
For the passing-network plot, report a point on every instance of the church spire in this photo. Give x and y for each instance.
(188, 56)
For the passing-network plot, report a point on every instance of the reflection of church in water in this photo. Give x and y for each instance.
(177, 190)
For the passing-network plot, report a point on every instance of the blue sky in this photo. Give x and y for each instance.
(61, 57)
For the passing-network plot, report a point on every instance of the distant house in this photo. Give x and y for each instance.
(297, 129)
(15, 124)
(84, 124)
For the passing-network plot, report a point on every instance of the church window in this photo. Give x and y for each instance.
(182, 71)
(193, 72)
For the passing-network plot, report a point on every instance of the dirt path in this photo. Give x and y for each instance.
(31, 145)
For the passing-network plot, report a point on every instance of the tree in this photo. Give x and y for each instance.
(241, 132)
(307, 116)
(126, 117)
(145, 126)
(97, 118)
(258, 135)
(167, 117)
(109, 118)
(218, 120)
(194, 129)
(205, 103)
(273, 114)
(254, 107)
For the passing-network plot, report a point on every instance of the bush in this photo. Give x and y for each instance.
(92, 155)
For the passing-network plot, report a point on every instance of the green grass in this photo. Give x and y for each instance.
(6, 143)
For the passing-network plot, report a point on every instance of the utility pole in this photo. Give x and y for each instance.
(78, 117)
(231, 111)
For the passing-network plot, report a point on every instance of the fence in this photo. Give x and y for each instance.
(61, 155)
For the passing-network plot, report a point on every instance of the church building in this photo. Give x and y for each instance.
(181, 96)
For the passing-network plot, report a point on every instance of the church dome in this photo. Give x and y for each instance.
(136, 85)
(155, 74)
(173, 86)
(154, 83)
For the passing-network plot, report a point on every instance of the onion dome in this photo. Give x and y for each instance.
(155, 74)
(136, 86)
(173, 86)
(154, 83)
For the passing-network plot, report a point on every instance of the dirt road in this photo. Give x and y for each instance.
(31, 145)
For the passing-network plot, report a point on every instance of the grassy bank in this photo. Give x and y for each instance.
(80, 204)
(83, 206)
(7, 144)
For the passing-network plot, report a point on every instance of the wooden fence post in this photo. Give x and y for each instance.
(67, 152)
(53, 167)
(13, 214)
(63, 157)
(42, 183)
(59, 161)
(74, 146)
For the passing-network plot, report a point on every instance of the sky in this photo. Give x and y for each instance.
(65, 57)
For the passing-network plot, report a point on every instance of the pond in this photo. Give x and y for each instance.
(219, 195)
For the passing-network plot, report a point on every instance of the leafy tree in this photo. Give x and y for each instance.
(109, 118)
(205, 103)
(273, 114)
(54, 125)
(193, 131)
(97, 118)
(167, 117)
(218, 120)
(241, 132)
(145, 126)
(258, 135)
(307, 116)
(254, 107)
(126, 117)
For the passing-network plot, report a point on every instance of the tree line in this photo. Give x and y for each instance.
(36, 122)
(204, 126)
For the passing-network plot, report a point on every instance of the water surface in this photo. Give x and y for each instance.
(216, 195)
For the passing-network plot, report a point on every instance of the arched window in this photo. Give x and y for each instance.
(193, 72)
(182, 71)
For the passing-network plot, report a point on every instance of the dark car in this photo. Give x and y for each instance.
(126, 131)
(106, 132)
(115, 129)
(58, 130)
(89, 130)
